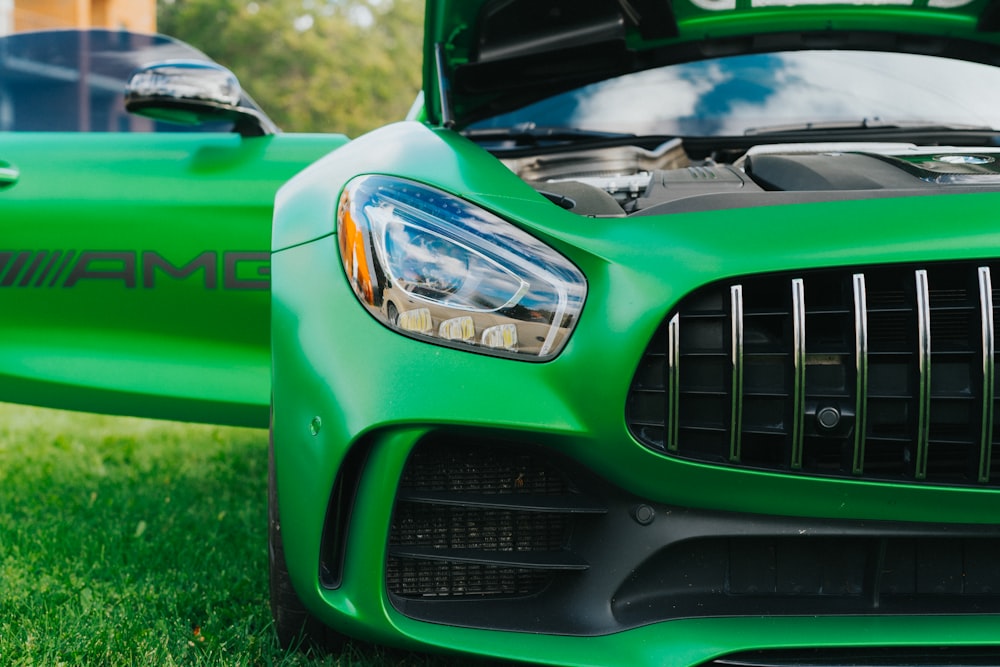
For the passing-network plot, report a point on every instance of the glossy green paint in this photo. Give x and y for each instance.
(173, 323)
(375, 389)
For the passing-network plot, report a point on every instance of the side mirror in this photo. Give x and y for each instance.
(191, 93)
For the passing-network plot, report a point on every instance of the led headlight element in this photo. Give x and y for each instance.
(431, 265)
(418, 320)
(501, 336)
(458, 328)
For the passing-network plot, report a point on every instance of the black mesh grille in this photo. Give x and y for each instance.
(454, 468)
(424, 578)
(475, 528)
(815, 575)
(480, 520)
(876, 372)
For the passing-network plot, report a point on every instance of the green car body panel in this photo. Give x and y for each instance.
(137, 267)
(134, 260)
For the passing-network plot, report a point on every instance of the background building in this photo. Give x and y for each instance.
(22, 15)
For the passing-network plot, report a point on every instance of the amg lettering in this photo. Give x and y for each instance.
(205, 261)
(146, 269)
(259, 260)
(106, 266)
(11, 272)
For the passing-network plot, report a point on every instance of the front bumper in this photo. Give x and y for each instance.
(659, 561)
(660, 594)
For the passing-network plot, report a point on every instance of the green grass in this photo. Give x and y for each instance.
(138, 542)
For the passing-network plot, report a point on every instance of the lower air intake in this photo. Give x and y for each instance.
(480, 520)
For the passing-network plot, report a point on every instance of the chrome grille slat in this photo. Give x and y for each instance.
(924, 372)
(799, 369)
(881, 372)
(673, 387)
(861, 369)
(989, 371)
(736, 406)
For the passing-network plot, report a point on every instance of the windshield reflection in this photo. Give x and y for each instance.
(729, 96)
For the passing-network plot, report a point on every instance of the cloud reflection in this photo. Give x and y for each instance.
(728, 96)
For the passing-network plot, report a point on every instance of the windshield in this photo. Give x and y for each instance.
(74, 80)
(741, 95)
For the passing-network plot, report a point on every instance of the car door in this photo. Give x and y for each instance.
(134, 265)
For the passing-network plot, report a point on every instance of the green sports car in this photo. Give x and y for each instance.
(662, 333)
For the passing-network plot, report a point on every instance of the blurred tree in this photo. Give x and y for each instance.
(314, 65)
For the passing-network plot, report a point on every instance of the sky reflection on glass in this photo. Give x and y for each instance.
(729, 96)
(433, 267)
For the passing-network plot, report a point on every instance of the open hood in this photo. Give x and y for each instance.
(485, 58)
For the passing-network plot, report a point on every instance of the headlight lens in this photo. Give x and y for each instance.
(433, 266)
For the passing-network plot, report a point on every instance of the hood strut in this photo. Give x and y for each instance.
(447, 117)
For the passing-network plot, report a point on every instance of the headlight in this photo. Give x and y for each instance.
(435, 267)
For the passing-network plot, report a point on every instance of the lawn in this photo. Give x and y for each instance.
(138, 542)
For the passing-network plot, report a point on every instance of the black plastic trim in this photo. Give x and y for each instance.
(989, 19)
(650, 563)
(718, 201)
(333, 543)
(571, 504)
(928, 656)
(539, 560)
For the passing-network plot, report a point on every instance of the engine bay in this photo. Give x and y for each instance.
(628, 180)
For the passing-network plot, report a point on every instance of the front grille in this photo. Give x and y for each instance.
(481, 520)
(874, 373)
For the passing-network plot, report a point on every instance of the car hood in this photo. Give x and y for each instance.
(485, 58)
